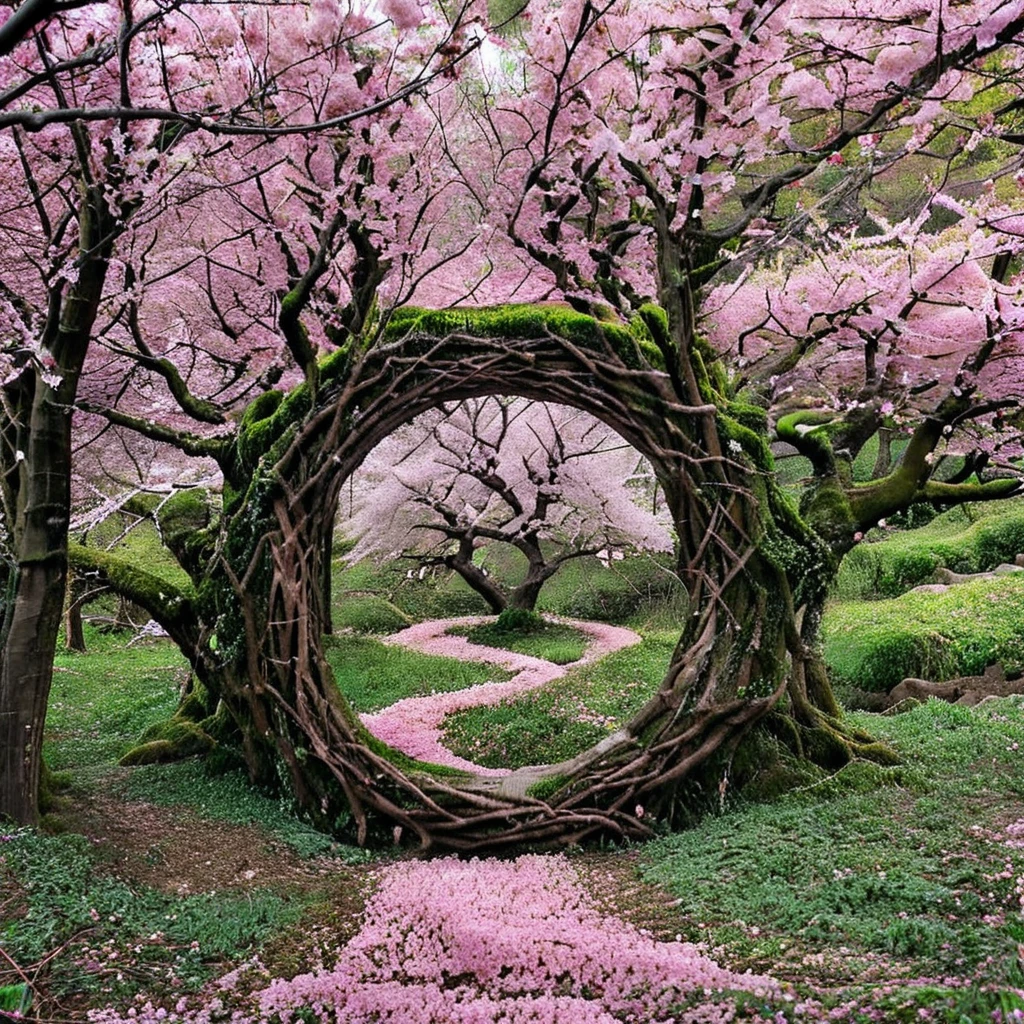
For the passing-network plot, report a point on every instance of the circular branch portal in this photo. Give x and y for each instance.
(748, 563)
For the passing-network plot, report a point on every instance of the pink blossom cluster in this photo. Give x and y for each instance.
(414, 725)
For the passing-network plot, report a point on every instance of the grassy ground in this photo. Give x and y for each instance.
(566, 716)
(154, 878)
(549, 640)
(874, 874)
(159, 878)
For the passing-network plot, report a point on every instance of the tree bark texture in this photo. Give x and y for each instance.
(35, 456)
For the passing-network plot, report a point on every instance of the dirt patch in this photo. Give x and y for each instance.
(613, 880)
(176, 850)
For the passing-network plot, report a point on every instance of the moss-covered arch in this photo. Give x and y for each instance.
(749, 562)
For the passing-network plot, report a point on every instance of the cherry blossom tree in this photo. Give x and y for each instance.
(551, 482)
(121, 126)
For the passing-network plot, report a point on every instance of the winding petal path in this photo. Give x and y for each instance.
(413, 725)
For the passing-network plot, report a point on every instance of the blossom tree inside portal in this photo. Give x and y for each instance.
(551, 482)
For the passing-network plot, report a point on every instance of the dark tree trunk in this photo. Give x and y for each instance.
(526, 594)
(74, 634)
(328, 584)
(883, 461)
(36, 463)
(481, 582)
(35, 598)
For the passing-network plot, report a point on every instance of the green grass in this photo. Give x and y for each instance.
(874, 645)
(966, 539)
(549, 640)
(872, 873)
(102, 700)
(368, 613)
(565, 717)
(121, 937)
(373, 675)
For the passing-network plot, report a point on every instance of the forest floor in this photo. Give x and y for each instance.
(870, 894)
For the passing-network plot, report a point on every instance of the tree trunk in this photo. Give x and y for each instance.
(527, 593)
(25, 677)
(35, 457)
(35, 599)
(328, 581)
(74, 635)
(484, 585)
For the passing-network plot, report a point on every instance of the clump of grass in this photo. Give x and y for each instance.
(874, 645)
(549, 640)
(898, 878)
(566, 716)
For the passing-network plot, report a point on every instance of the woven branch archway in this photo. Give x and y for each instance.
(747, 561)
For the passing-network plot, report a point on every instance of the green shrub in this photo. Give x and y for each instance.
(963, 539)
(874, 645)
(518, 620)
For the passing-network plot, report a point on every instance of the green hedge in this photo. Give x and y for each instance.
(964, 539)
(874, 645)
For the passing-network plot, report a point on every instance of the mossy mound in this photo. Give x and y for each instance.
(171, 740)
(963, 540)
(872, 646)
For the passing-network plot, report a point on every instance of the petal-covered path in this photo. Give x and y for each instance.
(413, 725)
(450, 941)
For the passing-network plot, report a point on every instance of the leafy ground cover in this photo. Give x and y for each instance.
(874, 645)
(565, 717)
(874, 876)
(549, 640)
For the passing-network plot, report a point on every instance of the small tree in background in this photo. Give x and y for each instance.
(549, 481)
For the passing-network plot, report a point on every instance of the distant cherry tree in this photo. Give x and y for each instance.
(549, 481)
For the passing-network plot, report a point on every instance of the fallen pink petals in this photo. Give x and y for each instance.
(413, 725)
